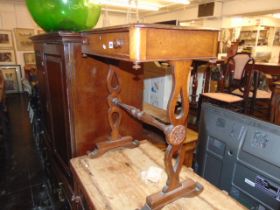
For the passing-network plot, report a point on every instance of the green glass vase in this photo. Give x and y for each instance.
(65, 15)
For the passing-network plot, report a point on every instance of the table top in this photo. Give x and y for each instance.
(148, 25)
(150, 42)
(113, 181)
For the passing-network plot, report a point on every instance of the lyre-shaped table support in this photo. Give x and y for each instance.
(174, 189)
(175, 134)
(114, 117)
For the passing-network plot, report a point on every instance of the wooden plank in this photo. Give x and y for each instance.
(113, 181)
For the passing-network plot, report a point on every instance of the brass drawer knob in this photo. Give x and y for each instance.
(118, 43)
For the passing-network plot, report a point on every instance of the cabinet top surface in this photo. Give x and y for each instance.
(127, 27)
(113, 181)
(58, 36)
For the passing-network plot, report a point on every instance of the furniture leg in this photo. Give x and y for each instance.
(114, 117)
(174, 189)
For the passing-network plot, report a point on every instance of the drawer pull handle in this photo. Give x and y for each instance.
(85, 41)
(118, 43)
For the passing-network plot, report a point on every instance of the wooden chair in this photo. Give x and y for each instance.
(199, 83)
(237, 77)
(260, 98)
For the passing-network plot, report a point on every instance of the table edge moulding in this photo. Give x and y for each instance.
(138, 43)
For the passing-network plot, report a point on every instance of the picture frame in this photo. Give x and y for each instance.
(29, 58)
(23, 41)
(7, 57)
(12, 78)
(6, 39)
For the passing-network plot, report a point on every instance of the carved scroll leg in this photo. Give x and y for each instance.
(175, 135)
(114, 117)
(174, 189)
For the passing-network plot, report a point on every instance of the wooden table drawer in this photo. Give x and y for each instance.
(141, 43)
(108, 44)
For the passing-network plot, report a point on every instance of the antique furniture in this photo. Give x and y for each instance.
(206, 76)
(113, 181)
(260, 96)
(268, 68)
(72, 95)
(275, 104)
(119, 51)
(236, 85)
(271, 70)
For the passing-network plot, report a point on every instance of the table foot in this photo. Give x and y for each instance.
(103, 147)
(188, 188)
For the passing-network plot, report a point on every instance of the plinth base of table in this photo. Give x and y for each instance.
(103, 147)
(157, 201)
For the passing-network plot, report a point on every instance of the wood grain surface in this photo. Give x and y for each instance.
(113, 181)
(144, 42)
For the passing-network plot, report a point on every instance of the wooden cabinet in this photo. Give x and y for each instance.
(73, 102)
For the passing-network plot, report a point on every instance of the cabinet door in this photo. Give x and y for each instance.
(43, 88)
(56, 76)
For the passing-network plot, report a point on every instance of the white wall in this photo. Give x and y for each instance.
(185, 14)
(15, 14)
(227, 8)
(238, 7)
(108, 18)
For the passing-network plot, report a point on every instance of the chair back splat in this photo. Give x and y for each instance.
(240, 77)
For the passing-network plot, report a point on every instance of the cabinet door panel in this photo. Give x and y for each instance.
(43, 90)
(57, 92)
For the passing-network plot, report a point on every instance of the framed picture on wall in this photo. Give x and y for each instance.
(6, 40)
(7, 57)
(29, 58)
(12, 78)
(23, 41)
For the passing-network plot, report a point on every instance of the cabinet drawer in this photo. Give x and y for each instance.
(109, 44)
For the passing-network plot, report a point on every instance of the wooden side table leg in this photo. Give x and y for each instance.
(114, 117)
(174, 189)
